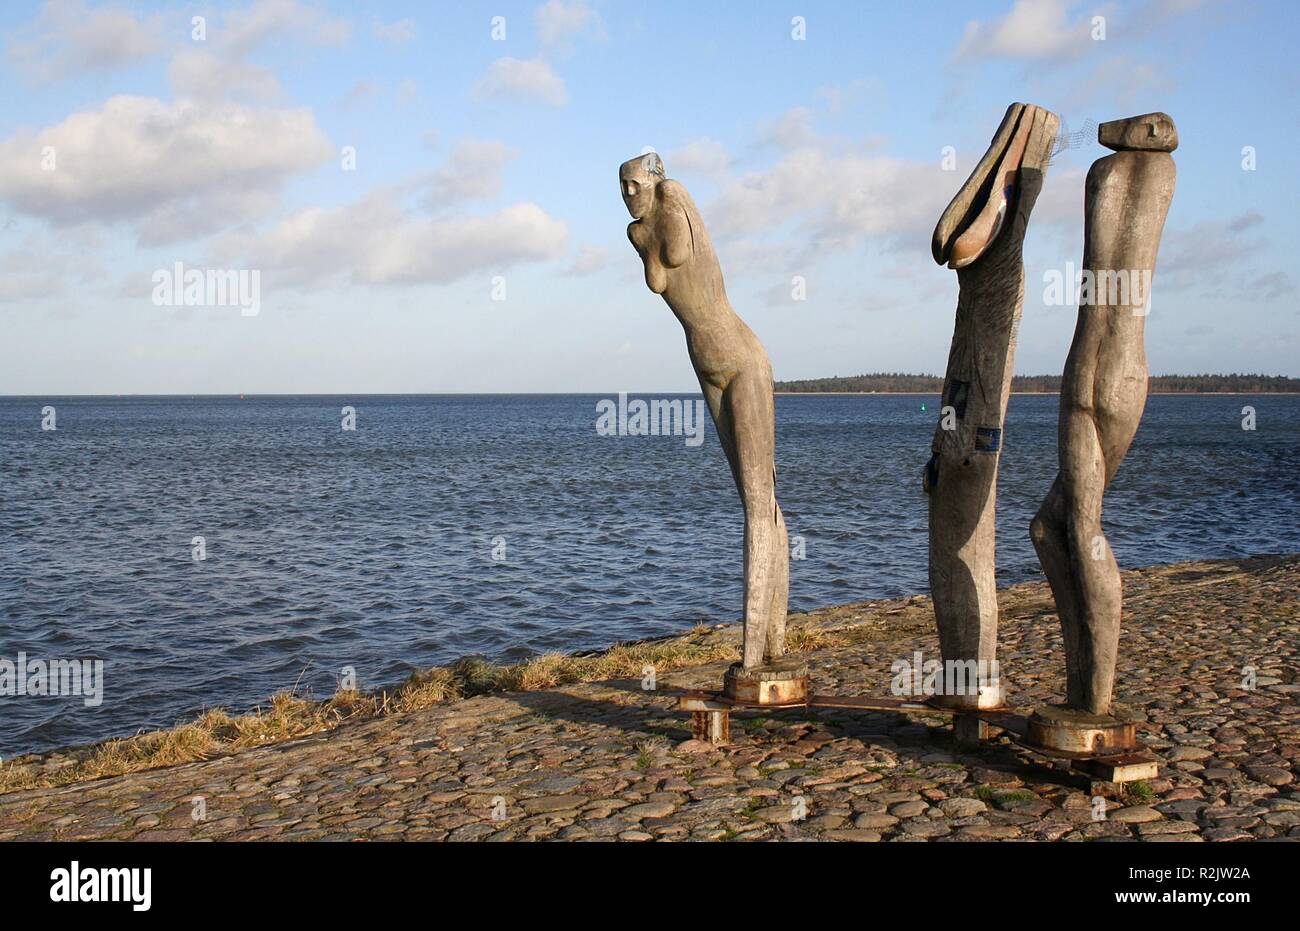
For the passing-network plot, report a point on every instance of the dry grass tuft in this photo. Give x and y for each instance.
(288, 715)
(807, 639)
(423, 690)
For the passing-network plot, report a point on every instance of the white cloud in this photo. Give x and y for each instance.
(1033, 29)
(836, 198)
(522, 79)
(590, 260)
(43, 266)
(1248, 219)
(142, 160)
(1060, 202)
(836, 96)
(197, 73)
(473, 170)
(245, 30)
(1210, 258)
(751, 256)
(792, 130)
(843, 193)
(1198, 253)
(1267, 286)
(376, 242)
(358, 94)
(399, 32)
(30, 283)
(205, 213)
(218, 69)
(558, 21)
(1119, 80)
(408, 91)
(30, 276)
(69, 38)
(706, 158)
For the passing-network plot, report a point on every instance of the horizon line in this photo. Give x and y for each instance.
(787, 381)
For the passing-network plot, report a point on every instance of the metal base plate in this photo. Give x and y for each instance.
(712, 712)
(1069, 730)
(781, 683)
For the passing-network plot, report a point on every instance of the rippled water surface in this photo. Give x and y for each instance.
(374, 548)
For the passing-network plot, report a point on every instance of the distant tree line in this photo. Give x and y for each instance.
(898, 382)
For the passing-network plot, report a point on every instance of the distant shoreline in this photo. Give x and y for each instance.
(1181, 394)
(253, 396)
(1230, 383)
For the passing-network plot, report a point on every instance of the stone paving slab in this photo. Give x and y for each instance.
(1208, 654)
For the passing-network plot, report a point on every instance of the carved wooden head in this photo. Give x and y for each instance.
(638, 177)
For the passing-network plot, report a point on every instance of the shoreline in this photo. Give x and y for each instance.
(927, 394)
(590, 759)
(287, 716)
(273, 395)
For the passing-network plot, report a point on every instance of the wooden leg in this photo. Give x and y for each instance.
(712, 726)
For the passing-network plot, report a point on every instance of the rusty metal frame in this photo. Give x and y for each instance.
(711, 712)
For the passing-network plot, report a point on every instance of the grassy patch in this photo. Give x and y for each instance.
(646, 751)
(1018, 795)
(288, 714)
(1000, 797)
(807, 639)
(1139, 791)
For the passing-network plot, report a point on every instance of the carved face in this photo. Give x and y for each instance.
(1150, 132)
(979, 212)
(1157, 127)
(637, 177)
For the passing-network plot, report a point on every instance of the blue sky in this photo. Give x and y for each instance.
(481, 160)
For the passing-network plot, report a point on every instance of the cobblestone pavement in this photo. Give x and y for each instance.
(609, 761)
